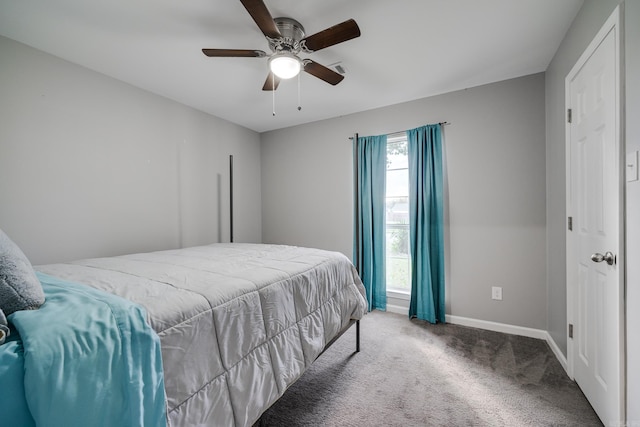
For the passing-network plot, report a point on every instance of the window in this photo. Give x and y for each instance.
(398, 262)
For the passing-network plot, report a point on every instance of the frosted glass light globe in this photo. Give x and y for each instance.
(284, 65)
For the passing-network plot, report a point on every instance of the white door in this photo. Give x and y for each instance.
(594, 258)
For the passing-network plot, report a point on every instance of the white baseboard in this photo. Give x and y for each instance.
(497, 327)
(515, 330)
(398, 303)
(494, 326)
(556, 350)
(398, 309)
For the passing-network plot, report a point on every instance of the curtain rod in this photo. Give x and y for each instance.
(391, 133)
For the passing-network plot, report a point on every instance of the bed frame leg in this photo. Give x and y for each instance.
(357, 336)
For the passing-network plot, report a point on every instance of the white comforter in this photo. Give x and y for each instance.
(238, 323)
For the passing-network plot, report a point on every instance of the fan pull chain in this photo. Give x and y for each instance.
(273, 92)
(299, 106)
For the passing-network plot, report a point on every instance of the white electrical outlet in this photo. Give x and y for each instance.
(496, 293)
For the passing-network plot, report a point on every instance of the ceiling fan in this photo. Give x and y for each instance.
(287, 39)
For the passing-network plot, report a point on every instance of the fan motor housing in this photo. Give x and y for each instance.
(292, 32)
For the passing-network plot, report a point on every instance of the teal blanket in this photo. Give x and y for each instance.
(85, 358)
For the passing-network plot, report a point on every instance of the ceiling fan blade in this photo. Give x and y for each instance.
(322, 72)
(261, 15)
(240, 53)
(337, 34)
(272, 82)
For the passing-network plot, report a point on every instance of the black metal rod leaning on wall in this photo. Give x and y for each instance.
(356, 197)
(391, 133)
(231, 198)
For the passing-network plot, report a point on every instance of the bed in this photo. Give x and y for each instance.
(237, 325)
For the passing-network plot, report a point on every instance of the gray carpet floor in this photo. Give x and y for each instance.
(412, 373)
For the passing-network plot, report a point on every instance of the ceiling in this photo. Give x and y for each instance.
(409, 49)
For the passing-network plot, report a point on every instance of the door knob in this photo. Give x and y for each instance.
(608, 257)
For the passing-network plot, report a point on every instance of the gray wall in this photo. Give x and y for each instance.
(587, 23)
(90, 166)
(495, 150)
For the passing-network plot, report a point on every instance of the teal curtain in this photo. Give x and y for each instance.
(369, 227)
(426, 223)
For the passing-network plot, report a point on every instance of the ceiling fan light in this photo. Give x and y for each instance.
(284, 65)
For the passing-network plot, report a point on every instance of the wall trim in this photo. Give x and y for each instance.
(497, 327)
(398, 302)
(514, 330)
(556, 350)
(398, 309)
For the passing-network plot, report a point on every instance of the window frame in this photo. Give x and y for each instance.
(395, 292)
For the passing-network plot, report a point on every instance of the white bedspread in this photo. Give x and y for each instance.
(238, 323)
